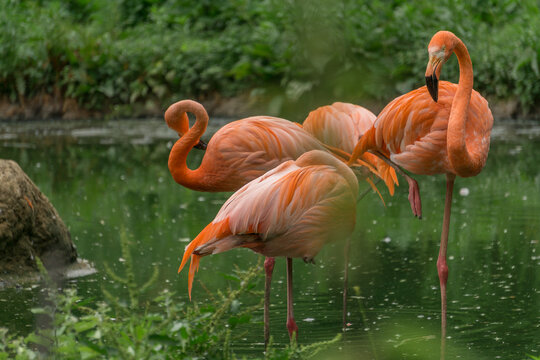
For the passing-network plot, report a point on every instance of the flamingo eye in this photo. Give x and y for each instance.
(438, 52)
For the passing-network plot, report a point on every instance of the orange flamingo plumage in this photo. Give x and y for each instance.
(440, 128)
(291, 211)
(340, 126)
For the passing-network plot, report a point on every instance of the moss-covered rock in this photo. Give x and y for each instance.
(30, 226)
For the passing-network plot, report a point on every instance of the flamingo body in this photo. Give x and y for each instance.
(340, 124)
(246, 149)
(239, 152)
(291, 211)
(412, 131)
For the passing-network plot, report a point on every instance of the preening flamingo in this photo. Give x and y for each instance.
(237, 153)
(441, 128)
(291, 211)
(340, 125)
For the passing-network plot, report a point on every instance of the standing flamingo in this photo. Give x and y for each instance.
(238, 153)
(340, 125)
(291, 211)
(438, 128)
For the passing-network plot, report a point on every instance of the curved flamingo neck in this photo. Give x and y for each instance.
(462, 160)
(180, 150)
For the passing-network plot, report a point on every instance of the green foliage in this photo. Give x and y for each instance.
(109, 53)
(134, 289)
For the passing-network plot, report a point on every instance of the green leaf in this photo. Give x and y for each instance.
(82, 326)
(37, 339)
(237, 320)
(162, 339)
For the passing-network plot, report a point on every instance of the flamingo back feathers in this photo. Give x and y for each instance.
(340, 125)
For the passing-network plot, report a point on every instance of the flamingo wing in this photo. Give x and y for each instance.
(292, 210)
(254, 145)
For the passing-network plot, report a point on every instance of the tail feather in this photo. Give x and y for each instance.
(367, 160)
(366, 142)
(225, 244)
(193, 268)
(210, 232)
(374, 187)
(387, 174)
(382, 169)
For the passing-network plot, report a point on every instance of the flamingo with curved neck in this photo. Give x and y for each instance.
(238, 153)
(440, 128)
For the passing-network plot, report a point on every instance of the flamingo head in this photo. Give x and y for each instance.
(440, 49)
(181, 126)
(201, 145)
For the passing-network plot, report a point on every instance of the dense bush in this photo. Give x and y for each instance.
(105, 53)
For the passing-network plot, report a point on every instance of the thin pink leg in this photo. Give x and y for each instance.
(346, 281)
(442, 267)
(291, 324)
(269, 269)
(414, 189)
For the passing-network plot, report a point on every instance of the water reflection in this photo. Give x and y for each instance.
(106, 177)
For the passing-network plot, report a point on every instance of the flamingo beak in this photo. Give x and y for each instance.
(432, 80)
(201, 145)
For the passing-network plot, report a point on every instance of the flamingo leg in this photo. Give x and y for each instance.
(269, 269)
(414, 189)
(442, 267)
(291, 324)
(346, 281)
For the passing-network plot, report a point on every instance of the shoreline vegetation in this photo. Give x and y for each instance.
(90, 59)
(72, 327)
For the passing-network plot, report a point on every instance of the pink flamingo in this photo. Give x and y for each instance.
(440, 128)
(291, 211)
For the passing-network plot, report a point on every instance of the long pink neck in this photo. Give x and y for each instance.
(462, 160)
(180, 150)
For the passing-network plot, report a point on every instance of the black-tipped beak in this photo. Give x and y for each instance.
(201, 145)
(432, 84)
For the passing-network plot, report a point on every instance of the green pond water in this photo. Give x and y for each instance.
(105, 177)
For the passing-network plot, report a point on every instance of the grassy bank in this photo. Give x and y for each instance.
(123, 58)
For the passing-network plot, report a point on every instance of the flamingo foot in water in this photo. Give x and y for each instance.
(269, 269)
(442, 269)
(292, 327)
